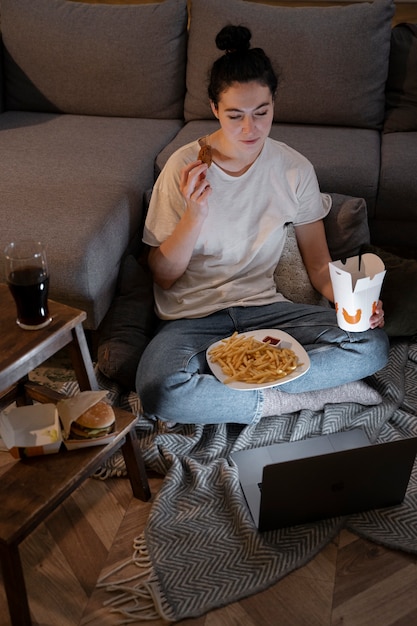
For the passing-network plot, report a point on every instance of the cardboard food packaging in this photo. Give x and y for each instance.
(70, 409)
(38, 429)
(357, 283)
(31, 430)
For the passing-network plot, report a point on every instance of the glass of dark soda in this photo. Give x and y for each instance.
(28, 280)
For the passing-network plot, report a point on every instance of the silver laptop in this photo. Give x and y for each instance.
(327, 476)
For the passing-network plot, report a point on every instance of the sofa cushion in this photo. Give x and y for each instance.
(346, 226)
(77, 183)
(2, 79)
(347, 231)
(346, 160)
(291, 278)
(397, 193)
(401, 89)
(333, 61)
(95, 59)
(398, 293)
(128, 325)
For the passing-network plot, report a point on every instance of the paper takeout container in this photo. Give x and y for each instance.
(31, 430)
(41, 428)
(357, 283)
(70, 409)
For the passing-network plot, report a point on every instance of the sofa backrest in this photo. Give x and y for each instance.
(332, 61)
(401, 90)
(1, 76)
(92, 59)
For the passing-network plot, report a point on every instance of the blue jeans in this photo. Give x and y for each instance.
(175, 384)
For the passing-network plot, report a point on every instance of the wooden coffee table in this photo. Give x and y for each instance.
(23, 350)
(33, 487)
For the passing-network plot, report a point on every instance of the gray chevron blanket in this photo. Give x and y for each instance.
(200, 544)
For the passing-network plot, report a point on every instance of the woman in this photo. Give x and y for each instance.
(216, 234)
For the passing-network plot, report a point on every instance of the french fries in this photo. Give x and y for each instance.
(245, 359)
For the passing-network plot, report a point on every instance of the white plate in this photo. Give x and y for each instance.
(286, 341)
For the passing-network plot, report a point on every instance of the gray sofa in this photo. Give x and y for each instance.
(90, 95)
(94, 98)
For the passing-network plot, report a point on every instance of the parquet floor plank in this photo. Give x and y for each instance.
(96, 613)
(374, 585)
(296, 600)
(62, 558)
(50, 581)
(94, 508)
(351, 582)
(362, 564)
(75, 535)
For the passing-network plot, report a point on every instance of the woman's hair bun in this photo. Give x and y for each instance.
(234, 39)
(240, 64)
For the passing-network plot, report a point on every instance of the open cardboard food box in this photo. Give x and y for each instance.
(357, 283)
(42, 428)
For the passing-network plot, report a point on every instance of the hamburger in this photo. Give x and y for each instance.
(97, 421)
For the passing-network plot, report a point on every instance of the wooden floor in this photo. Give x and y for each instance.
(351, 582)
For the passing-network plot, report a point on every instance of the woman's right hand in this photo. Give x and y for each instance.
(195, 188)
(171, 259)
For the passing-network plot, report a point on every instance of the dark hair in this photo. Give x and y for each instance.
(240, 64)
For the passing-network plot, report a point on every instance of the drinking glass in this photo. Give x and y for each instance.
(28, 279)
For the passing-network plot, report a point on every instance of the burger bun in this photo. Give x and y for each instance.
(97, 421)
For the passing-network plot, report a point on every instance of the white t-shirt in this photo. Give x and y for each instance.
(242, 238)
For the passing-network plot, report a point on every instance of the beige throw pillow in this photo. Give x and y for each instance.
(346, 231)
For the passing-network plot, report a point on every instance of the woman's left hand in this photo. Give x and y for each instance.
(377, 318)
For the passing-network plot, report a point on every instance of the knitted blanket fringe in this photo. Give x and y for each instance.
(139, 602)
(199, 519)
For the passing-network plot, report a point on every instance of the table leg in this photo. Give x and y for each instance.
(14, 585)
(135, 466)
(41, 393)
(81, 360)
(15, 393)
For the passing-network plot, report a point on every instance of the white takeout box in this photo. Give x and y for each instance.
(71, 408)
(38, 429)
(31, 430)
(357, 283)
